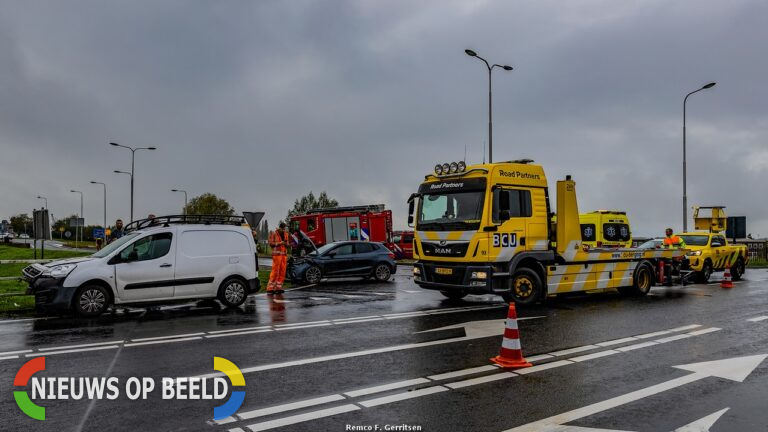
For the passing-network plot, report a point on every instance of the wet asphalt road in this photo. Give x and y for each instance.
(316, 358)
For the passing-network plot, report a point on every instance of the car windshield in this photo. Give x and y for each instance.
(108, 249)
(451, 211)
(323, 249)
(695, 240)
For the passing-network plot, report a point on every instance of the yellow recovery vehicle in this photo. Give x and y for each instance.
(485, 229)
(709, 249)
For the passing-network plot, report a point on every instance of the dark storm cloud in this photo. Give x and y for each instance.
(260, 102)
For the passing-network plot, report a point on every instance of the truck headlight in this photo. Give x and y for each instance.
(479, 275)
(416, 270)
(439, 169)
(695, 253)
(60, 271)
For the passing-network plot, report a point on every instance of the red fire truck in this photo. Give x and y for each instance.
(403, 241)
(367, 223)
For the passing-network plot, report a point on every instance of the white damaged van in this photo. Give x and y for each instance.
(163, 261)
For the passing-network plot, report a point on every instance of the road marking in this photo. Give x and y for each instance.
(673, 338)
(167, 337)
(385, 387)
(735, 369)
(240, 329)
(402, 396)
(594, 355)
(410, 291)
(616, 342)
(540, 357)
(238, 333)
(463, 372)
(72, 351)
(343, 320)
(500, 375)
(15, 352)
(289, 407)
(302, 323)
(704, 331)
(319, 298)
(636, 346)
(9, 357)
(314, 415)
(758, 319)
(302, 327)
(403, 314)
(14, 321)
(352, 296)
(481, 380)
(80, 346)
(573, 350)
(162, 341)
(543, 367)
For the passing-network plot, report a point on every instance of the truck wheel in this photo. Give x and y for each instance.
(706, 272)
(525, 288)
(643, 280)
(232, 292)
(737, 271)
(454, 295)
(313, 275)
(91, 301)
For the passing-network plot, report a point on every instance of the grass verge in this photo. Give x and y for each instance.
(14, 253)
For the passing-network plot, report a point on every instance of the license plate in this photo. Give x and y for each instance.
(444, 271)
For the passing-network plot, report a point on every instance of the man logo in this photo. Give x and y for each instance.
(236, 377)
(505, 240)
(22, 398)
(443, 242)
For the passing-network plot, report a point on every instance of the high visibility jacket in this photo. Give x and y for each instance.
(274, 242)
(674, 242)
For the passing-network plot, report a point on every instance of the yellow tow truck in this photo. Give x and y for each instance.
(487, 229)
(709, 248)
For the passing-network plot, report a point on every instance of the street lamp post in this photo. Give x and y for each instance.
(185, 198)
(685, 191)
(105, 207)
(490, 99)
(80, 217)
(133, 157)
(43, 198)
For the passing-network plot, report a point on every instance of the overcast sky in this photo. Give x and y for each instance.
(260, 102)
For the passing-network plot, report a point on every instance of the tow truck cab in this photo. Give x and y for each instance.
(485, 229)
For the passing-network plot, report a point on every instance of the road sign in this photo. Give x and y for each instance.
(253, 218)
(61, 229)
(76, 222)
(41, 224)
(98, 233)
(67, 234)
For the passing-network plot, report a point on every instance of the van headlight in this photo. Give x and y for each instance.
(60, 271)
(695, 253)
(416, 270)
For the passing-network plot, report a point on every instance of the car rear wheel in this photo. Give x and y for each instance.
(91, 300)
(313, 275)
(232, 292)
(382, 272)
(737, 271)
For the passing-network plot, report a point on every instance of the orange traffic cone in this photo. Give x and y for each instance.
(726, 283)
(511, 355)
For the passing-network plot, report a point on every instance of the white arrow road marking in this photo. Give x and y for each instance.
(735, 369)
(703, 424)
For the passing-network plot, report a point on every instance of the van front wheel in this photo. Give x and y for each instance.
(232, 292)
(91, 301)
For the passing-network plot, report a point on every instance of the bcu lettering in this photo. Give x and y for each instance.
(505, 240)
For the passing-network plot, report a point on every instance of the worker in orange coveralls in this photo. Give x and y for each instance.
(278, 241)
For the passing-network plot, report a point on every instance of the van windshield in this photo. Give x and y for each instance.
(459, 211)
(115, 245)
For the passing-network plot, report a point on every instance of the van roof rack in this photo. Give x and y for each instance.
(186, 219)
(371, 207)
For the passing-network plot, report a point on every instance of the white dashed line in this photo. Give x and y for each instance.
(481, 380)
(758, 319)
(402, 396)
(289, 407)
(594, 355)
(464, 372)
(162, 341)
(314, 415)
(167, 337)
(72, 351)
(80, 346)
(573, 350)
